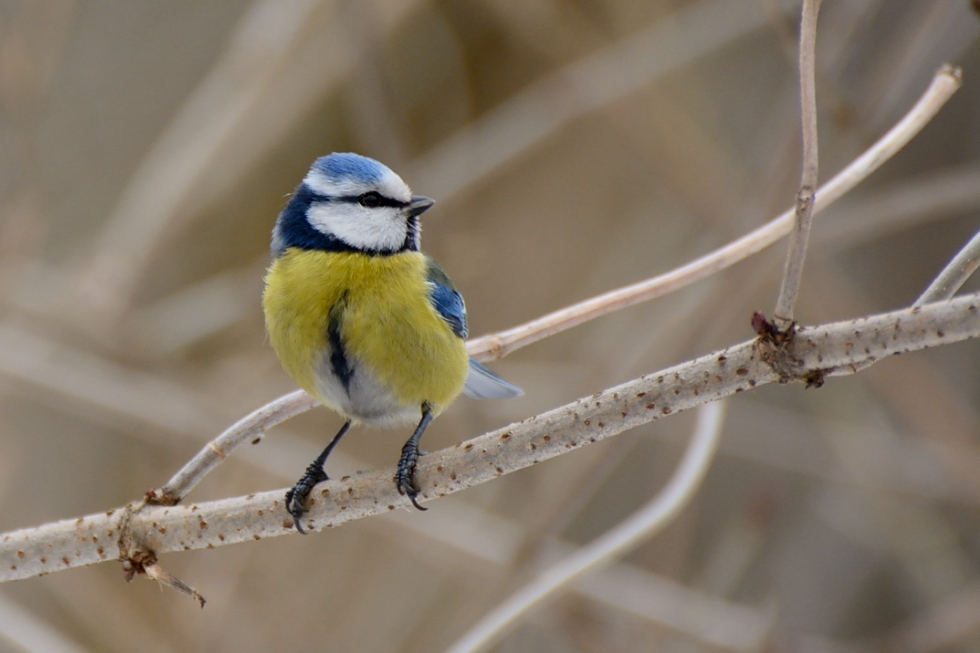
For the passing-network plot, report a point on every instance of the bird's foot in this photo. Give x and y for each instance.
(297, 495)
(405, 476)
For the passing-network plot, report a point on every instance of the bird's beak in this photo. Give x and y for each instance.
(419, 205)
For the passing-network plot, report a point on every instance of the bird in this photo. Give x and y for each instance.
(360, 317)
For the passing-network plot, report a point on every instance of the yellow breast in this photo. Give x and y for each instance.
(388, 326)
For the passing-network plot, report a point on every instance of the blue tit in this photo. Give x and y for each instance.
(362, 319)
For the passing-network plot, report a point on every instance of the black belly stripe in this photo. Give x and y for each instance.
(338, 357)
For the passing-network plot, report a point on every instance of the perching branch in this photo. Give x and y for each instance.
(800, 236)
(814, 354)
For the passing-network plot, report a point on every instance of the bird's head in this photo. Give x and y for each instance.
(348, 202)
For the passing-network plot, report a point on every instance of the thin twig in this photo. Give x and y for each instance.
(615, 543)
(814, 354)
(490, 347)
(950, 279)
(250, 428)
(157, 573)
(954, 275)
(800, 236)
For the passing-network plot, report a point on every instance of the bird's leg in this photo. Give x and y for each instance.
(405, 476)
(297, 495)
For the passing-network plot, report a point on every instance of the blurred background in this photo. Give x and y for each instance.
(573, 146)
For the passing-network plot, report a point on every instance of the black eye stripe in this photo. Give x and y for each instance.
(382, 200)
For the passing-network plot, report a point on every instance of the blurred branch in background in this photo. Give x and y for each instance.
(614, 543)
(597, 81)
(573, 148)
(23, 630)
(257, 74)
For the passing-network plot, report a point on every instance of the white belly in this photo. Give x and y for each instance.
(365, 399)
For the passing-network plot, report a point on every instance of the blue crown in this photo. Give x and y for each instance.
(347, 165)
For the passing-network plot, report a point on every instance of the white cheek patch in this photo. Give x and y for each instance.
(379, 229)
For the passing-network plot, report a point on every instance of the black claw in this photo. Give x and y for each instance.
(405, 478)
(296, 511)
(415, 503)
(296, 497)
(406, 488)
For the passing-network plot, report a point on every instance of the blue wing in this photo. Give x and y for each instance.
(446, 300)
(450, 305)
(480, 383)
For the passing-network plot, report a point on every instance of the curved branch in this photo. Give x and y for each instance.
(946, 81)
(250, 428)
(815, 352)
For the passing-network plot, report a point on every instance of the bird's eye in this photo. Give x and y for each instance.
(370, 200)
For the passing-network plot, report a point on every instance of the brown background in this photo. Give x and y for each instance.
(146, 147)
